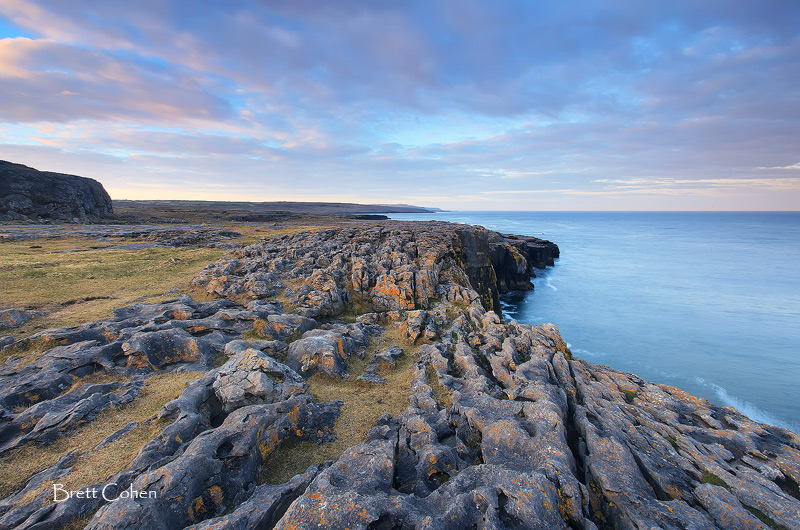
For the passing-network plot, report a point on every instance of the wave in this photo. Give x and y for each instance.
(580, 352)
(748, 409)
(549, 283)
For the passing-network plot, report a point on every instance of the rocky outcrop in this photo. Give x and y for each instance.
(505, 428)
(389, 267)
(119, 237)
(14, 318)
(28, 194)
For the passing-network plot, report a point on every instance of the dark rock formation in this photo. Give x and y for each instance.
(504, 429)
(28, 194)
(14, 318)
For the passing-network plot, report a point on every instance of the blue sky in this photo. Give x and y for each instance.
(582, 105)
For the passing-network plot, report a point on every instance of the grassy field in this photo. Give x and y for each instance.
(77, 280)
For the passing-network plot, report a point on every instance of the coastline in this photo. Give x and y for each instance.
(706, 302)
(501, 410)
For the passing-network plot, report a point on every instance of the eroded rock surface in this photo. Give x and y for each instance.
(504, 428)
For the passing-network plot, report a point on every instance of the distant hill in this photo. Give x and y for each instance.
(27, 194)
(278, 207)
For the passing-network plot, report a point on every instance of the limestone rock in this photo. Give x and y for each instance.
(218, 469)
(504, 428)
(388, 356)
(324, 353)
(264, 507)
(419, 324)
(284, 327)
(156, 349)
(26, 193)
(372, 378)
(251, 377)
(14, 318)
(391, 267)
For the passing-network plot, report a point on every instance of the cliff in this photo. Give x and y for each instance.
(28, 194)
(504, 428)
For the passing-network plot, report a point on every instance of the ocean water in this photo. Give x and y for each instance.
(708, 302)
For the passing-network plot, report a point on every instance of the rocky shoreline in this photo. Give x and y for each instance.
(504, 427)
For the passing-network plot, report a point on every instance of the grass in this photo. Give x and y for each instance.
(714, 480)
(442, 396)
(75, 280)
(764, 518)
(97, 466)
(673, 442)
(96, 378)
(629, 395)
(363, 404)
(30, 350)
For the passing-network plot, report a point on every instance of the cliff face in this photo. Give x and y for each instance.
(499, 263)
(504, 428)
(28, 194)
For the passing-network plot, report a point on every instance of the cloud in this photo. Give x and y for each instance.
(43, 80)
(411, 99)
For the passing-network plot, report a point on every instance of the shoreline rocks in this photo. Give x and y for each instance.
(504, 427)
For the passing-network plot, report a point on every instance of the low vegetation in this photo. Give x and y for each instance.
(96, 466)
(711, 478)
(442, 396)
(363, 404)
(75, 281)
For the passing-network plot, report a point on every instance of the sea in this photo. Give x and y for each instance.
(708, 302)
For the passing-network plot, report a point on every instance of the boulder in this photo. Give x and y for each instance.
(14, 318)
(285, 327)
(388, 356)
(324, 353)
(252, 377)
(148, 350)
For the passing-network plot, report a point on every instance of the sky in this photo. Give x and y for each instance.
(456, 104)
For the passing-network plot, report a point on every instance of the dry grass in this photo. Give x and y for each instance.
(97, 466)
(30, 350)
(96, 378)
(75, 281)
(363, 404)
(442, 396)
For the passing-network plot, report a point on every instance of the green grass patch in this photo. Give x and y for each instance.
(673, 442)
(764, 518)
(714, 480)
(629, 395)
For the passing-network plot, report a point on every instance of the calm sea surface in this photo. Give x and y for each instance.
(707, 302)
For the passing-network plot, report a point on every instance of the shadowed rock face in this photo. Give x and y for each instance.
(28, 194)
(504, 429)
